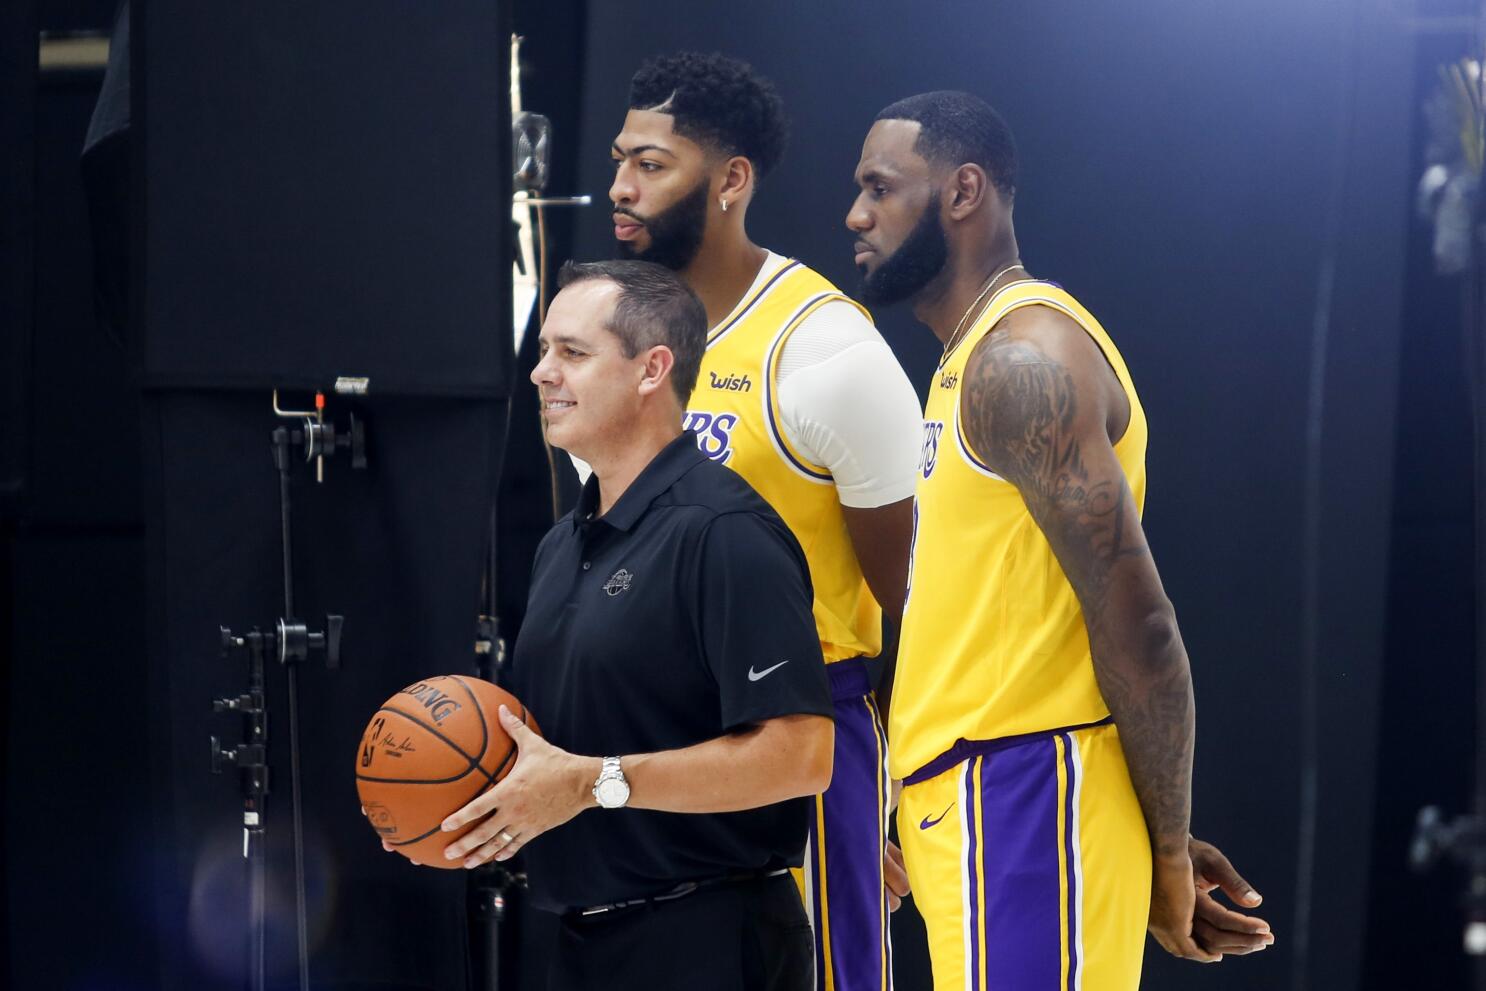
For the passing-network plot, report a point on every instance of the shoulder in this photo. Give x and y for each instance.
(831, 328)
(1036, 380)
(709, 490)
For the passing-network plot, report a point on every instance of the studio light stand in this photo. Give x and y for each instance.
(291, 642)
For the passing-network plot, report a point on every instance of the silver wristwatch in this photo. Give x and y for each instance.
(611, 790)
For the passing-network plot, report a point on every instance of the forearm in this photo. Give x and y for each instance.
(775, 761)
(1143, 674)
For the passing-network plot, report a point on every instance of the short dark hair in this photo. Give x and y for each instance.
(655, 307)
(956, 128)
(716, 101)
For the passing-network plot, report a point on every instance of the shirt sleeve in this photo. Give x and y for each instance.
(757, 630)
(848, 406)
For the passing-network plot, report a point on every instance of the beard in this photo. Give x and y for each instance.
(675, 232)
(914, 265)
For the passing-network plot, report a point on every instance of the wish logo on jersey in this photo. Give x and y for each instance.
(933, 430)
(714, 433)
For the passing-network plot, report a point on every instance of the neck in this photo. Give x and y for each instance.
(944, 303)
(724, 268)
(619, 465)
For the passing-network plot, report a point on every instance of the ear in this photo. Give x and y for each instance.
(968, 188)
(656, 370)
(737, 182)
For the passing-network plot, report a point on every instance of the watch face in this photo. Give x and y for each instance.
(613, 792)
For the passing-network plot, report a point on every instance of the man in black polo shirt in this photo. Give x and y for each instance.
(670, 657)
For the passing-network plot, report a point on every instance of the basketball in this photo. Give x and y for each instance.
(429, 751)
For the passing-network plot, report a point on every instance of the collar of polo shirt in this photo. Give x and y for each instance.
(673, 461)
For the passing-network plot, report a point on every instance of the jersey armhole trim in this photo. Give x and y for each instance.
(772, 415)
(748, 303)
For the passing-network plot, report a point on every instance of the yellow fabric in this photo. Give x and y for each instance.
(993, 641)
(735, 413)
(1111, 846)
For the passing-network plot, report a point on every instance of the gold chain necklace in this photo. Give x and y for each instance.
(954, 338)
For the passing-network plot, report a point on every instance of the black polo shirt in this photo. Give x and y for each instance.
(680, 615)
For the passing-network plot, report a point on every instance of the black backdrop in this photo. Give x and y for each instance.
(1218, 184)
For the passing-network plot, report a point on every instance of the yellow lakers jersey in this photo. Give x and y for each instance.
(993, 642)
(734, 412)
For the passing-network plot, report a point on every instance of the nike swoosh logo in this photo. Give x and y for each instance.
(935, 821)
(760, 675)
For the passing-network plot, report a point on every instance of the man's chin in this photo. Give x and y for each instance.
(632, 251)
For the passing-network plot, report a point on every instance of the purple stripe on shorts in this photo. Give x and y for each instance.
(1019, 861)
(1069, 812)
(854, 892)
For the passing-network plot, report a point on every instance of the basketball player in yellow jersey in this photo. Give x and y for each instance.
(801, 396)
(1042, 719)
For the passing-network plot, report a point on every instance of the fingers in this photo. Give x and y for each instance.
(1221, 917)
(520, 732)
(1184, 946)
(502, 846)
(894, 876)
(482, 806)
(1213, 869)
(1226, 941)
(1221, 930)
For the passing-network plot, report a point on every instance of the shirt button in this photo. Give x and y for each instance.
(587, 565)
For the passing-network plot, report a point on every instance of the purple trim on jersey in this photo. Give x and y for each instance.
(1019, 859)
(972, 869)
(784, 269)
(774, 428)
(1070, 777)
(855, 807)
(965, 749)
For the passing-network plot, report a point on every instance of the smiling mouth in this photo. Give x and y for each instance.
(550, 405)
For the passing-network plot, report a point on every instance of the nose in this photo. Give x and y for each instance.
(545, 372)
(622, 191)
(859, 218)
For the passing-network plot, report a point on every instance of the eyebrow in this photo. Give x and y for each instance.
(875, 173)
(639, 149)
(562, 339)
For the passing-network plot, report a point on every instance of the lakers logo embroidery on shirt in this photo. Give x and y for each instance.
(933, 430)
(618, 582)
(714, 433)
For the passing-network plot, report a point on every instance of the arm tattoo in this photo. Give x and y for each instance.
(1021, 412)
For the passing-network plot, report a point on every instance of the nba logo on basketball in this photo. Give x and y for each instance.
(932, 430)
(714, 433)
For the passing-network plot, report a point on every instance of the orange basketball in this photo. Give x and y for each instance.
(429, 751)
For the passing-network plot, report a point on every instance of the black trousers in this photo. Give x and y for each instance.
(750, 936)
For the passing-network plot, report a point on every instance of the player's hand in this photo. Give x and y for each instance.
(1218, 928)
(894, 876)
(546, 788)
(1173, 904)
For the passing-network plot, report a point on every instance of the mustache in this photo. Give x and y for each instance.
(621, 211)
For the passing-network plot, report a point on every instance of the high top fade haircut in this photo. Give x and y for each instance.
(957, 128)
(718, 102)
(654, 307)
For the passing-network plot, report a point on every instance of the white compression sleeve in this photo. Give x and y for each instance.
(847, 405)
